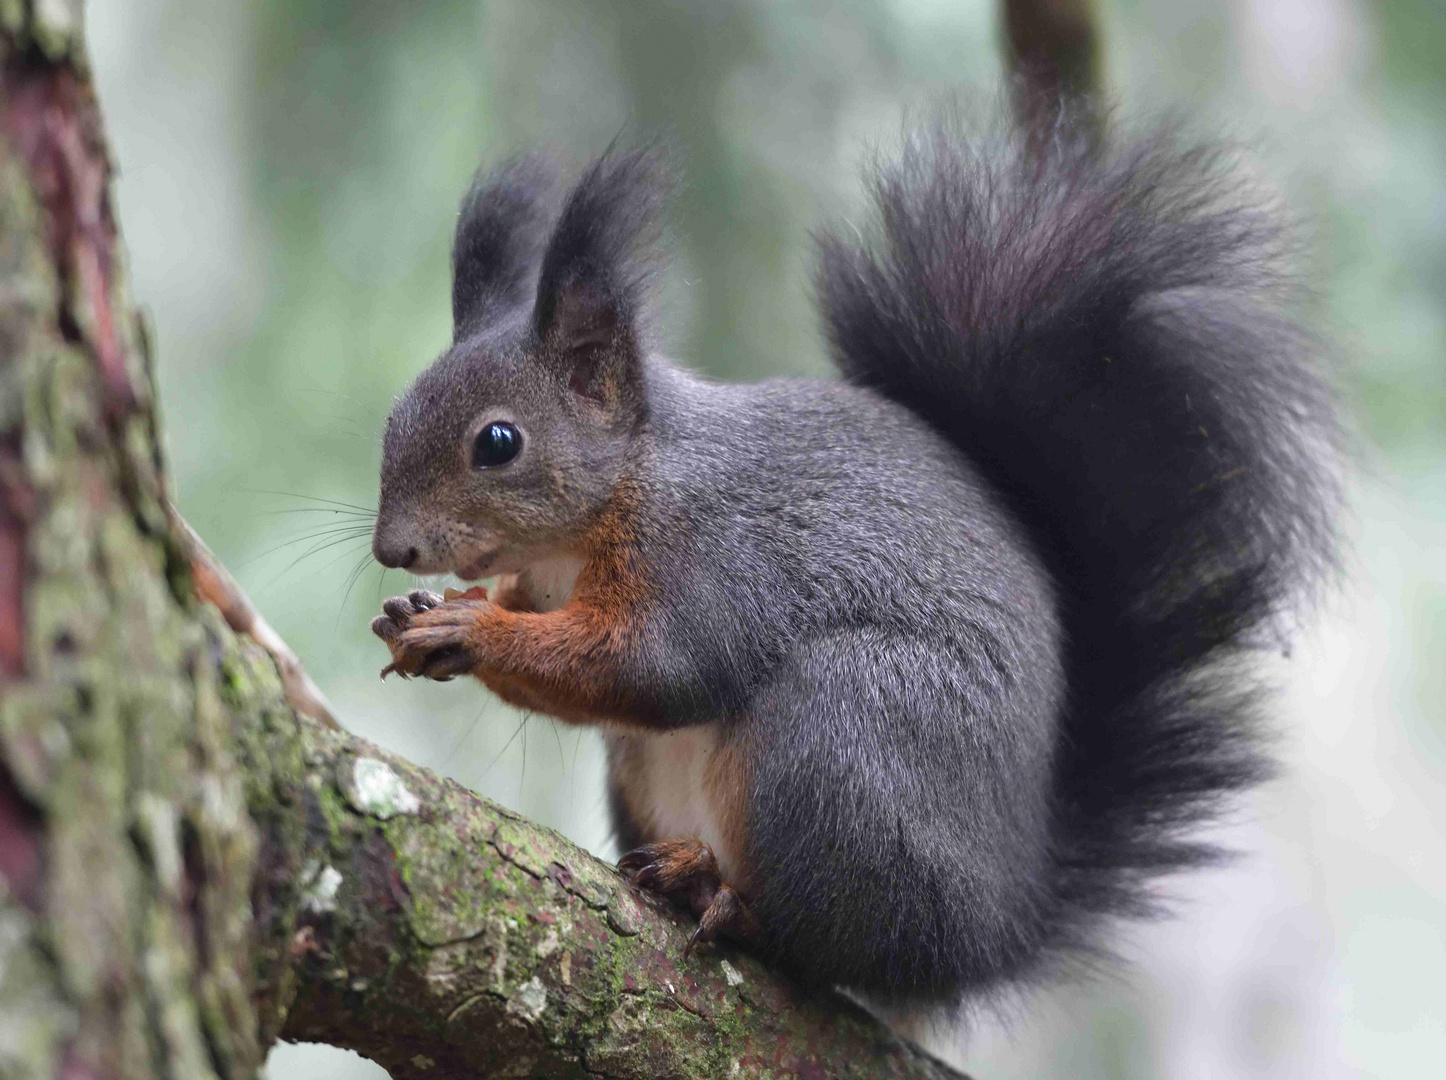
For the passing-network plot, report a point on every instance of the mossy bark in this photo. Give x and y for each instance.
(190, 867)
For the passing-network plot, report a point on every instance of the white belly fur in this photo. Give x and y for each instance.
(550, 581)
(670, 773)
(673, 763)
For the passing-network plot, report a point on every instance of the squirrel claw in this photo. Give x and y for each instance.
(727, 916)
(694, 939)
(685, 871)
(422, 600)
(672, 866)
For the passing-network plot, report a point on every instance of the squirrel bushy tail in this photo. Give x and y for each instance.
(1101, 327)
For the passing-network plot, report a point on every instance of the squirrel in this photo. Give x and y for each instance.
(915, 680)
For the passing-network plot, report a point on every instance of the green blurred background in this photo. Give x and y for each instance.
(289, 173)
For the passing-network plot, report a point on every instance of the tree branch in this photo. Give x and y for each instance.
(440, 934)
(194, 860)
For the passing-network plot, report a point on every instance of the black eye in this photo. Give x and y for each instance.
(497, 444)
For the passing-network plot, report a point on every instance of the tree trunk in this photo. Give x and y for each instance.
(194, 860)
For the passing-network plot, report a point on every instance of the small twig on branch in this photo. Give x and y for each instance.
(215, 585)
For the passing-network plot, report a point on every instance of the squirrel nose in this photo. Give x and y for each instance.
(392, 554)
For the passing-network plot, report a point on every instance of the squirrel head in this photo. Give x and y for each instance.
(512, 442)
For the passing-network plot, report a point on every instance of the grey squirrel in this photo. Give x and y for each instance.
(914, 679)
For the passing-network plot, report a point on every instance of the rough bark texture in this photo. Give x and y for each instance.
(193, 862)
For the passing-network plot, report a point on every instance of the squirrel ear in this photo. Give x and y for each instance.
(594, 285)
(498, 244)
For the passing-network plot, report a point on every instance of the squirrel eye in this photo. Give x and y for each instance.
(497, 444)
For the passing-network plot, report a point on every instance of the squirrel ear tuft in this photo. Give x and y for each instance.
(594, 287)
(498, 244)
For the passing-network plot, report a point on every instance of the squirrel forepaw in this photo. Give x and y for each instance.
(428, 635)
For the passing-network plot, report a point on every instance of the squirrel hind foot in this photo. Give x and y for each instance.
(686, 872)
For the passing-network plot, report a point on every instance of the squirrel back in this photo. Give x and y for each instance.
(1102, 329)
